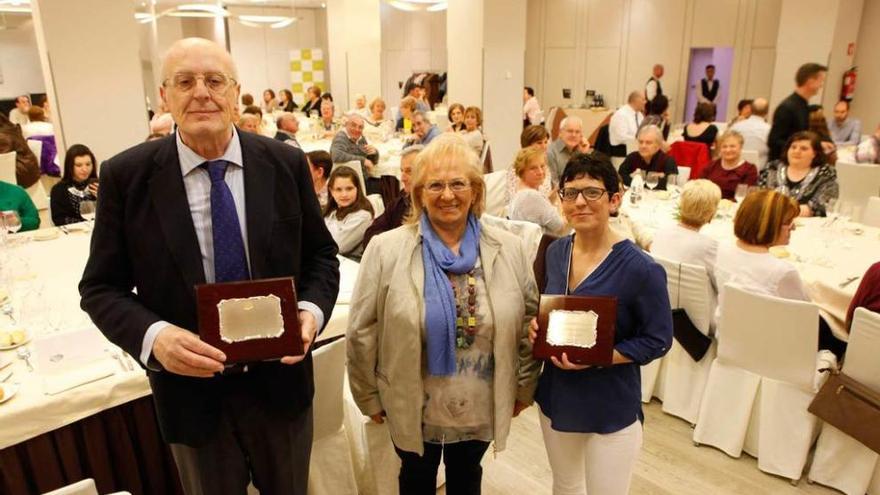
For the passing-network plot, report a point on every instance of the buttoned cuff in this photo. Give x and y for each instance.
(315, 311)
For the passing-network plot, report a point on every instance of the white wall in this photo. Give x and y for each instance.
(866, 103)
(411, 42)
(262, 54)
(504, 44)
(846, 31)
(611, 45)
(464, 50)
(20, 60)
(354, 31)
(95, 81)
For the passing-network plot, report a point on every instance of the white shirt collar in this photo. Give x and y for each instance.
(190, 160)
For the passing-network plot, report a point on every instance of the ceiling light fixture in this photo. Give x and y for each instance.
(418, 5)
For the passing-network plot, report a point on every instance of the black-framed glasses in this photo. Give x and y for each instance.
(455, 185)
(216, 82)
(569, 194)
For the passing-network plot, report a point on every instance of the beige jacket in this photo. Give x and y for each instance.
(386, 323)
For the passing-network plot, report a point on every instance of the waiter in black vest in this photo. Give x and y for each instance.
(709, 86)
(653, 87)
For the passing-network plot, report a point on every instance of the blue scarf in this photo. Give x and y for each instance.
(439, 301)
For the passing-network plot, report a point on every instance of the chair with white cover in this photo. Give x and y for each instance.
(376, 463)
(38, 195)
(751, 156)
(858, 182)
(684, 173)
(37, 149)
(356, 166)
(652, 379)
(496, 192)
(442, 121)
(82, 487)
(762, 381)
(871, 216)
(378, 204)
(684, 379)
(331, 470)
(486, 158)
(840, 461)
(7, 167)
(530, 233)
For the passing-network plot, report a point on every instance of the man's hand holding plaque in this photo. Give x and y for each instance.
(575, 332)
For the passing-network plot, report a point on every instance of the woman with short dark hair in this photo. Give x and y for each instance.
(702, 130)
(803, 174)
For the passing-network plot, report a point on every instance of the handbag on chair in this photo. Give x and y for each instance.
(851, 407)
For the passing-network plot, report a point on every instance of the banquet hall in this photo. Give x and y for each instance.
(428, 242)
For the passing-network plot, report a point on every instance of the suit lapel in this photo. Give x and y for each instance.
(168, 196)
(259, 199)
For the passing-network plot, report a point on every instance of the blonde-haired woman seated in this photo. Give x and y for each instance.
(683, 242)
(527, 203)
(473, 122)
(249, 122)
(437, 336)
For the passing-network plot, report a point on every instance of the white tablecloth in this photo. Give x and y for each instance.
(824, 256)
(56, 267)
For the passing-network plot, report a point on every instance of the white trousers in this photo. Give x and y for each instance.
(592, 463)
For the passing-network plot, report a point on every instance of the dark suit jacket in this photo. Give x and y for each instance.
(144, 239)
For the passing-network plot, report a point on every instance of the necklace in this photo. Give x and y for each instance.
(465, 310)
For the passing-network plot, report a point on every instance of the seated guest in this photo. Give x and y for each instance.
(162, 124)
(570, 142)
(532, 114)
(399, 208)
(286, 103)
(538, 137)
(845, 130)
(269, 101)
(650, 158)
(763, 220)
(19, 114)
(869, 149)
(247, 100)
(27, 165)
(868, 294)
(349, 144)
(819, 125)
(466, 357)
(348, 213)
(328, 123)
(313, 105)
(473, 136)
(37, 125)
(456, 117)
(730, 170)
(423, 130)
(625, 122)
(803, 174)
(376, 116)
(702, 130)
(80, 183)
(288, 126)
(320, 166)
(534, 135)
(755, 129)
(360, 106)
(658, 115)
(253, 110)
(528, 204)
(683, 242)
(744, 110)
(415, 91)
(404, 122)
(249, 122)
(14, 198)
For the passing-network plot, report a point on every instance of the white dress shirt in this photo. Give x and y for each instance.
(754, 131)
(16, 116)
(532, 111)
(624, 125)
(197, 183)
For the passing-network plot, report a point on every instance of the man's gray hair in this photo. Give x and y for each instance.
(571, 119)
(635, 95)
(284, 116)
(423, 115)
(658, 134)
(409, 150)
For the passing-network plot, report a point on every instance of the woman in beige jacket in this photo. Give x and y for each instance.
(438, 328)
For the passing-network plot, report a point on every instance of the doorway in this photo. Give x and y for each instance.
(722, 58)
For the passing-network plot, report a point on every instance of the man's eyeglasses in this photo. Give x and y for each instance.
(569, 194)
(455, 185)
(216, 82)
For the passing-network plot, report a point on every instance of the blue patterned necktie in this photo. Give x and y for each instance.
(230, 261)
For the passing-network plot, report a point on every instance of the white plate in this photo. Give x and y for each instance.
(9, 391)
(46, 234)
(27, 338)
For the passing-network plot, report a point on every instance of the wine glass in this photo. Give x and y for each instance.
(742, 190)
(87, 209)
(12, 221)
(652, 180)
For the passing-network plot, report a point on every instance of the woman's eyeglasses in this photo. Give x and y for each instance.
(455, 185)
(569, 194)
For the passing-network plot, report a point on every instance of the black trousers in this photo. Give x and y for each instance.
(253, 443)
(828, 341)
(418, 474)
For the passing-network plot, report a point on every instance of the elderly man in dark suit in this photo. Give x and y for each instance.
(211, 204)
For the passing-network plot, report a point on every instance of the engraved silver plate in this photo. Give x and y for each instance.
(572, 328)
(250, 318)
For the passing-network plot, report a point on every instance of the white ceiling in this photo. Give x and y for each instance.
(315, 4)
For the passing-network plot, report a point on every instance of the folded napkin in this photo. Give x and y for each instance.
(70, 359)
(55, 383)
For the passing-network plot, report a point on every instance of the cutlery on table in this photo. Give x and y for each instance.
(7, 377)
(25, 354)
(848, 281)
